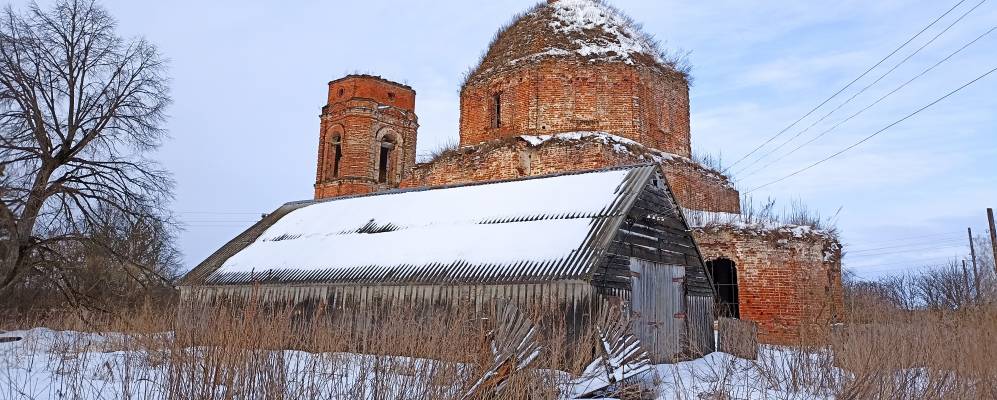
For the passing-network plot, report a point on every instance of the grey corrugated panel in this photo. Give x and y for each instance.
(581, 263)
(198, 274)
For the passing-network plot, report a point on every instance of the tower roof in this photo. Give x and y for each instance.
(587, 30)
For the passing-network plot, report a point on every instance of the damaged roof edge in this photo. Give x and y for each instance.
(199, 274)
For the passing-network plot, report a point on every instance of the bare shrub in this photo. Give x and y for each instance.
(709, 160)
(443, 149)
(766, 215)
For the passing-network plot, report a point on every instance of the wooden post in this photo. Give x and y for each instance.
(965, 281)
(993, 235)
(976, 272)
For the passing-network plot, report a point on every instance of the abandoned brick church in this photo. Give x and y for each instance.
(556, 92)
(571, 86)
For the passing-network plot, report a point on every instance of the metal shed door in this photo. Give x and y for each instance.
(658, 300)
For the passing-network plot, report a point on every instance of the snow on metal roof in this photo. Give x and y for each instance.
(523, 230)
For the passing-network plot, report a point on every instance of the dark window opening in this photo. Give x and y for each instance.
(391, 95)
(725, 282)
(341, 92)
(384, 161)
(337, 155)
(497, 110)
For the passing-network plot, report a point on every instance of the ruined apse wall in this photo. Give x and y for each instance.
(360, 112)
(647, 105)
(788, 280)
(694, 186)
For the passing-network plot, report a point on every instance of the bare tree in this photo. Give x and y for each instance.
(80, 109)
(947, 287)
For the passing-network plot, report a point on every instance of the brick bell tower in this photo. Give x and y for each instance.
(367, 136)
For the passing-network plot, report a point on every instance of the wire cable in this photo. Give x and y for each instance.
(880, 78)
(874, 134)
(873, 104)
(909, 245)
(846, 86)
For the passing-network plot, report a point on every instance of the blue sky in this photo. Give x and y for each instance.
(248, 81)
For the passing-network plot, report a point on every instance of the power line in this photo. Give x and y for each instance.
(220, 212)
(880, 78)
(909, 251)
(845, 87)
(905, 266)
(918, 111)
(897, 243)
(209, 221)
(920, 262)
(900, 239)
(897, 89)
(909, 245)
(216, 226)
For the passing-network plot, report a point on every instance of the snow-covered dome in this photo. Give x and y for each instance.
(588, 30)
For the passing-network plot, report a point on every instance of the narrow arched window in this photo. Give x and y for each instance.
(384, 167)
(497, 110)
(337, 154)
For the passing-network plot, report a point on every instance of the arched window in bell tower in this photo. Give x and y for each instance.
(385, 159)
(337, 154)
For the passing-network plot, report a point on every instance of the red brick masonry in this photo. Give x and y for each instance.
(565, 95)
(362, 111)
(695, 186)
(786, 282)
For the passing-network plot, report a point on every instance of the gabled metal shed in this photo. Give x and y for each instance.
(582, 240)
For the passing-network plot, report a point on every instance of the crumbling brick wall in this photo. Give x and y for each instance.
(787, 283)
(647, 105)
(361, 111)
(694, 185)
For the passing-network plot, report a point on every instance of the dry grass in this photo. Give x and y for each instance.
(880, 351)
(255, 352)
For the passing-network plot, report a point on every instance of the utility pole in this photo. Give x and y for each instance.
(976, 272)
(965, 281)
(993, 236)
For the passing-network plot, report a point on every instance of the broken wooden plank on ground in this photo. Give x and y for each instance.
(514, 348)
(620, 362)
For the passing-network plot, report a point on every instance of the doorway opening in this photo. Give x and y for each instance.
(724, 274)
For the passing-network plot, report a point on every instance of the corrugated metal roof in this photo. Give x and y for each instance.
(535, 229)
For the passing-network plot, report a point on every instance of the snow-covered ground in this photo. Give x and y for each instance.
(49, 364)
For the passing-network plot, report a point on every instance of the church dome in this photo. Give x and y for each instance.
(584, 30)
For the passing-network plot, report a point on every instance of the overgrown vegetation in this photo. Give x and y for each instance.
(766, 215)
(523, 28)
(709, 160)
(445, 148)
